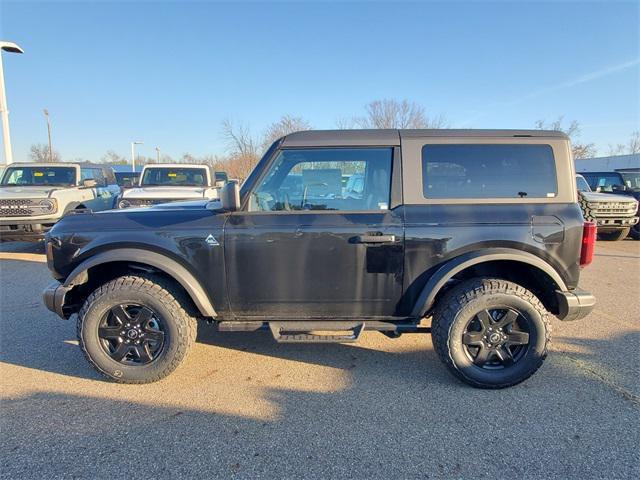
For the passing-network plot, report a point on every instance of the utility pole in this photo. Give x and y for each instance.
(157, 154)
(4, 109)
(133, 154)
(46, 114)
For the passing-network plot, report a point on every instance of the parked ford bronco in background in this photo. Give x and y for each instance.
(614, 215)
(162, 183)
(622, 183)
(34, 196)
(475, 236)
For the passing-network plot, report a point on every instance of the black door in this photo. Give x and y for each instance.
(317, 238)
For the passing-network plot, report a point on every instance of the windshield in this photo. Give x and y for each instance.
(29, 176)
(184, 177)
(582, 184)
(604, 182)
(631, 179)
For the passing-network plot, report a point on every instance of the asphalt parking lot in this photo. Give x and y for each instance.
(242, 405)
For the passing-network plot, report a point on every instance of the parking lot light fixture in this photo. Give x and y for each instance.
(133, 154)
(4, 109)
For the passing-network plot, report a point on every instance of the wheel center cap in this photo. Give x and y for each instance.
(494, 337)
(132, 333)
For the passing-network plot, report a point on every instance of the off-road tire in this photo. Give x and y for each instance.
(635, 232)
(614, 236)
(457, 306)
(159, 294)
(587, 213)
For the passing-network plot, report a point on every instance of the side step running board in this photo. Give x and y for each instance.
(316, 332)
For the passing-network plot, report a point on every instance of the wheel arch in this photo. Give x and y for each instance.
(142, 259)
(521, 267)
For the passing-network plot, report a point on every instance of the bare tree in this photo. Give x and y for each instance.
(113, 158)
(634, 143)
(580, 150)
(389, 113)
(242, 148)
(286, 125)
(39, 152)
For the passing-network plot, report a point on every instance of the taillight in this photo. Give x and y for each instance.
(589, 232)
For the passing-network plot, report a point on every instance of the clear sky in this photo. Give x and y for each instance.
(169, 73)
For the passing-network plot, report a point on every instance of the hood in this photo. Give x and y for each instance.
(606, 197)
(164, 192)
(44, 191)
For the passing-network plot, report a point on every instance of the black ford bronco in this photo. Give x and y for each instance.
(475, 236)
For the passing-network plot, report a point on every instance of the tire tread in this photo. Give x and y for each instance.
(455, 300)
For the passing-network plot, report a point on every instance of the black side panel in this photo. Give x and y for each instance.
(435, 234)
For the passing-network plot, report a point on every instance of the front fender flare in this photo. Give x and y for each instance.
(156, 260)
(452, 267)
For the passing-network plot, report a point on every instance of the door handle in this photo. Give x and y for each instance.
(374, 239)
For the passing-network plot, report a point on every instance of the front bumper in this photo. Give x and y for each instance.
(616, 222)
(54, 297)
(28, 231)
(574, 304)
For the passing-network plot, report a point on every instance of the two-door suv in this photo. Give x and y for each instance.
(473, 235)
(34, 196)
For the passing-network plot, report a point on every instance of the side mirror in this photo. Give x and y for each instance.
(220, 183)
(230, 196)
(89, 183)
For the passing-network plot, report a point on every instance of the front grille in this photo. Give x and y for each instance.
(613, 209)
(26, 207)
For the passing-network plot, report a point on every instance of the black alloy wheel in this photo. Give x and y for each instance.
(131, 334)
(496, 338)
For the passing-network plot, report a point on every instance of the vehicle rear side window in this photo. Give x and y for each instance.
(488, 171)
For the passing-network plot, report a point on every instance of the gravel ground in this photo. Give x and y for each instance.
(242, 405)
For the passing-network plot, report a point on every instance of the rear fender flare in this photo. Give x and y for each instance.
(458, 264)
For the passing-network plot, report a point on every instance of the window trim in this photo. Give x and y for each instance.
(412, 161)
(395, 153)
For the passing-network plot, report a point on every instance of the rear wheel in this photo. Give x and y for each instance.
(614, 236)
(135, 329)
(491, 333)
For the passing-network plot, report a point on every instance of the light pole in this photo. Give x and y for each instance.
(46, 114)
(157, 154)
(133, 154)
(4, 109)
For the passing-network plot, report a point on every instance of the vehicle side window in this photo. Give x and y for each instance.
(98, 176)
(90, 173)
(488, 171)
(355, 179)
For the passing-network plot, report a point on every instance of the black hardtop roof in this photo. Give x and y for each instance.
(393, 136)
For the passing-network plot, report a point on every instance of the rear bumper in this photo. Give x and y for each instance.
(54, 298)
(574, 304)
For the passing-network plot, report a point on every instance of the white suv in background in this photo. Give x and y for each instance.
(162, 183)
(34, 196)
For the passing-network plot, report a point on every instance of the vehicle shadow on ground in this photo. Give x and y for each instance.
(396, 414)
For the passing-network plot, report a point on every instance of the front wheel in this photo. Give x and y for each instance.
(491, 333)
(614, 236)
(135, 328)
